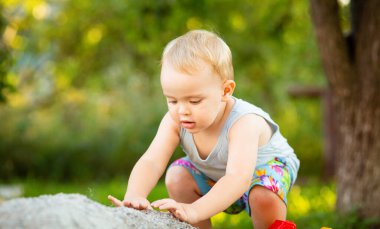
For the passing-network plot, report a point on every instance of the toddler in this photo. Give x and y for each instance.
(236, 158)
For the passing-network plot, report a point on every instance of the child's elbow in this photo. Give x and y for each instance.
(247, 182)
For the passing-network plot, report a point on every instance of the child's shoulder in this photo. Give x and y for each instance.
(242, 107)
(241, 103)
(245, 113)
(169, 123)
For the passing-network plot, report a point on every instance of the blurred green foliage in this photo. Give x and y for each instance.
(87, 99)
(5, 58)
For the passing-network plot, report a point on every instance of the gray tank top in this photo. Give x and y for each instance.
(214, 166)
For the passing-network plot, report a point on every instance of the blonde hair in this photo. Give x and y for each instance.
(187, 51)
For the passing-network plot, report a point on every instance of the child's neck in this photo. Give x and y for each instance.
(220, 119)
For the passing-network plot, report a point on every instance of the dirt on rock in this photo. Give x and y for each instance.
(77, 211)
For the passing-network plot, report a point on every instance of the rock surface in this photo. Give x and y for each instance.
(77, 211)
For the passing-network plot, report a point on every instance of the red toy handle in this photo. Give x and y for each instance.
(279, 224)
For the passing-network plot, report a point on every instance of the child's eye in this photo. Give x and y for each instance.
(172, 102)
(195, 101)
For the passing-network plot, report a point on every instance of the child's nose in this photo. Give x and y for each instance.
(183, 110)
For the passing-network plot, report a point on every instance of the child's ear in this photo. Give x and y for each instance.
(228, 89)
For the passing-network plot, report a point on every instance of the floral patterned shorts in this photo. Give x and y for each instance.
(274, 175)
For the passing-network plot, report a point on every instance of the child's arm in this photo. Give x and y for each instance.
(243, 144)
(150, 166)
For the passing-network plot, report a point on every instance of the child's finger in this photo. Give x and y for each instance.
(115, 201)
(178, 214)
(138, 204)
(169, 205)
(145, 204)
(126, 203)
(158, 203)
(135, 204)
(166, 204)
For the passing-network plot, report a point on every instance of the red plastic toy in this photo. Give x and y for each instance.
(279, 224)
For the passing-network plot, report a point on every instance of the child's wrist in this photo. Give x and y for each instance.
(195, 216)
(133, 195)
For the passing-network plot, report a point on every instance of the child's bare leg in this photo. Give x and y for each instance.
(266, 207)
(183, 188)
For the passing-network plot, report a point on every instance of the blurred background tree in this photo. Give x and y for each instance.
(87, 99)
(351, 60)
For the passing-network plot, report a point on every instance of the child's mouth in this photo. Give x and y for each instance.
(188, 125)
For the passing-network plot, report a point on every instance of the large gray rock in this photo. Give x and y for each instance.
(77, 211)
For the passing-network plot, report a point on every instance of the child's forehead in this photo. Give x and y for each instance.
(202, 68)
(179, 82)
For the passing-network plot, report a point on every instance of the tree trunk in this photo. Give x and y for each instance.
(352, 68)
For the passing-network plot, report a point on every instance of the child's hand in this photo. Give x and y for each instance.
(184, 212)
(131, 202)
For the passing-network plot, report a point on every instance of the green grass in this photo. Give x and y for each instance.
(310, 205)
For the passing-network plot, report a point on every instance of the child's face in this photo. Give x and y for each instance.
(195, 101)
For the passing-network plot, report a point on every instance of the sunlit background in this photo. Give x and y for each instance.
(82, 99)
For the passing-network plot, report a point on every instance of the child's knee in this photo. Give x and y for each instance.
(176, 176)
(263, 198)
